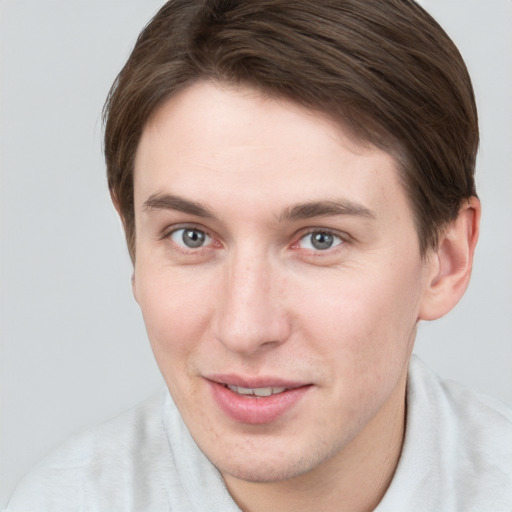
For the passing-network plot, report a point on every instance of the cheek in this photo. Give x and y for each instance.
(176, 310)
(365, 320)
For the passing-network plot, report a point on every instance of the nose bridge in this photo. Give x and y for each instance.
(250, 313)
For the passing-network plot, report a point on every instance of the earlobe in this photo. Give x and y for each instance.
(115, 202)
(134, 288)
(451, 263)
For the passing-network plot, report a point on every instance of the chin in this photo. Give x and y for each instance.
(274, 467)
(265, 472)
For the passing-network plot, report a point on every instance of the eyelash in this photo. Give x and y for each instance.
(343, 239)
(167, 235)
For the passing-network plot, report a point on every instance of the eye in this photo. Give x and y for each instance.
(190, 238)
(319, 241)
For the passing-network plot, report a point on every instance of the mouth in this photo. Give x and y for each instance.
(258, 392)
(256, 402)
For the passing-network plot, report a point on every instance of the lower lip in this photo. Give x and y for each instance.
(255, 410)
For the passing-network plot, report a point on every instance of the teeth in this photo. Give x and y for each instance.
(256, 391)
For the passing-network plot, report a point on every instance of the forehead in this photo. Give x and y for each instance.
(231, 144)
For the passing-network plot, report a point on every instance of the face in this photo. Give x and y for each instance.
(279, 276)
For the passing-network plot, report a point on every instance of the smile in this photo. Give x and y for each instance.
(256, 402)
(260, 392)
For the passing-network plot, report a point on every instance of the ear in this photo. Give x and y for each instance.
(451, 263)
(134, 287)
(115, 202)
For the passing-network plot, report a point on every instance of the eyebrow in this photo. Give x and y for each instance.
(325, 208)
(172, 202)
(299, 211)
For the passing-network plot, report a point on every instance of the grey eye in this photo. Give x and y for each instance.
(191, 238)
(319, 241)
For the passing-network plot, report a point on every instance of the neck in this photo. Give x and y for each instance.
(355, 479)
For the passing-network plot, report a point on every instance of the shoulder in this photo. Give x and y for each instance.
(457, 452)
(474, 416)
(108, 457)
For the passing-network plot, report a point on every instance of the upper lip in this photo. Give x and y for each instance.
(254, 382)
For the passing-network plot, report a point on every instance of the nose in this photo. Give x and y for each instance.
(250, 315)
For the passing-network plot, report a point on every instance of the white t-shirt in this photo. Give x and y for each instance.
(457, 456)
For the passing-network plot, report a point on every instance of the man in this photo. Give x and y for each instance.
(295, 180)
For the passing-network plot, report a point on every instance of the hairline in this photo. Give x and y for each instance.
(388, 143)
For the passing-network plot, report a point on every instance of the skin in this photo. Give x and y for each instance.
(259, 299)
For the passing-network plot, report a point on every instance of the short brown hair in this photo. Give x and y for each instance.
(383, 68)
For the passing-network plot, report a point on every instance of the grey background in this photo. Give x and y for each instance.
(73, 350)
